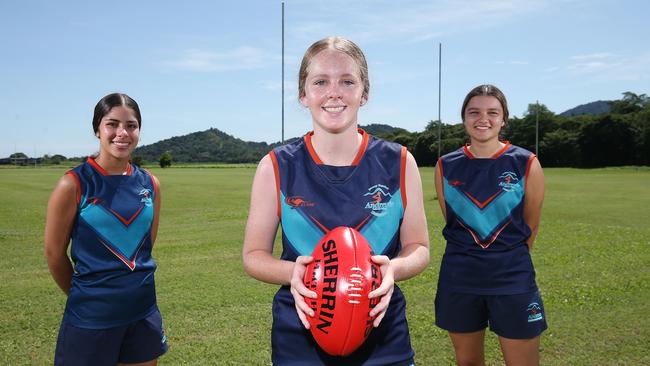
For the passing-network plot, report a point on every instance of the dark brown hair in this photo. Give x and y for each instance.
(490, 91)
(110, 101)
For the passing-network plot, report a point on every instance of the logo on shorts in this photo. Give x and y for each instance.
(507, 181)
(146, 196)
(534, 312)
(298, 201)
(378, 193)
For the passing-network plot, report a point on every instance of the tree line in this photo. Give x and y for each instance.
(619, 137)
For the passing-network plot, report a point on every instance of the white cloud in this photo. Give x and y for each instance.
(414, 21)
(241, 58)
(593, 56)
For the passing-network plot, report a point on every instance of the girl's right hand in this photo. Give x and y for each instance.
(300, 291)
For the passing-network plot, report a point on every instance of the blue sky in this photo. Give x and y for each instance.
(194, 65)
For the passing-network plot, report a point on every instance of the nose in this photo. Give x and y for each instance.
(121, 130)
(334, 91)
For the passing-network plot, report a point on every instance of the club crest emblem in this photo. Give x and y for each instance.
(380, 200)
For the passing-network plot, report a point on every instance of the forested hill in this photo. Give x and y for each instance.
(214, 145)
(210, 145)
(593, 108)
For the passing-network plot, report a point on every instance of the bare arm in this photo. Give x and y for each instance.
(533, 199)
(261, 228)
(156, 209)
(440, 192)
(61, 212)
(414, 234)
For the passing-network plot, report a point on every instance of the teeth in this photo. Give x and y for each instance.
(334, 109)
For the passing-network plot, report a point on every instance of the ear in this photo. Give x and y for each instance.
(303, 101)
(97, 134)
(364, 100)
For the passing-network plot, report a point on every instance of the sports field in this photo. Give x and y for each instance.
(592, 258)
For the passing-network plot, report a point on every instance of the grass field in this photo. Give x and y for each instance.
(592, 257)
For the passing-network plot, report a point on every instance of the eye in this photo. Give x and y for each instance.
(348, 82)
(319, 82)
(132, 126)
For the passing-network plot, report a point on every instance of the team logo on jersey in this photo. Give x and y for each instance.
(534, 312)
(146, 196)
(507, 181)
(298, 201)
(379, 194)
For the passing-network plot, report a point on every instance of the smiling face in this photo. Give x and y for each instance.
(483, 118)
(118, 133)
(333, 91)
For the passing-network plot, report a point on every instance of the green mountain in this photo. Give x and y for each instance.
(593, 108)
(210, 145)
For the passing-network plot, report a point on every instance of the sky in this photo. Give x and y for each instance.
(195, 65)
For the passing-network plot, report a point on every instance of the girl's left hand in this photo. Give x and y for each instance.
(385, 290)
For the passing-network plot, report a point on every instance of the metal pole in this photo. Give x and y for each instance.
(439, 97)
(283, 72)
(537, 129)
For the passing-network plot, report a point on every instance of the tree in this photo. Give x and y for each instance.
(165, 159)
(559, 148)
(608, 141)
(137, 160)
(58, 158)
(630, 103)
(18, 155)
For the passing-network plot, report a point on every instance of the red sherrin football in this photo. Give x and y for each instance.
(342, 274)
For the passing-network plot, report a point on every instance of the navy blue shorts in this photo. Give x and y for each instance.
(518, 316)
(140, 341)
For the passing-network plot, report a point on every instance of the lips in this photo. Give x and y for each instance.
(121, 144)
(334, 109)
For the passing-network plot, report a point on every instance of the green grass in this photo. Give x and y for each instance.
(592, 257)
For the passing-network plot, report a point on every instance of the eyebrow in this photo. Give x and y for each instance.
(346, 75)
(117, 120)
(478, 109)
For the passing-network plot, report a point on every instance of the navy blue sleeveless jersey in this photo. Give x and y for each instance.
(314, 198)
(486, 234)
(113, 280)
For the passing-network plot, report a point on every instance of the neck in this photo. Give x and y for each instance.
(485, 149)
(337, 149)
(112, 165)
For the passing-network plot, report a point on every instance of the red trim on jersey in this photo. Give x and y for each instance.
(355, 161)
(129, 221)
(129, 263)
(467, 152)
(358, 227)
(326, 230)
(528, 164)
(310, 148)
(478, 241)
(97, 167)
(156, 188)
(402, 176)
(362, 148)
(442, 178)
(481, 205)
(276, 171)
(92, 162)
(78, 183)
(503, 150)
(496, 155)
